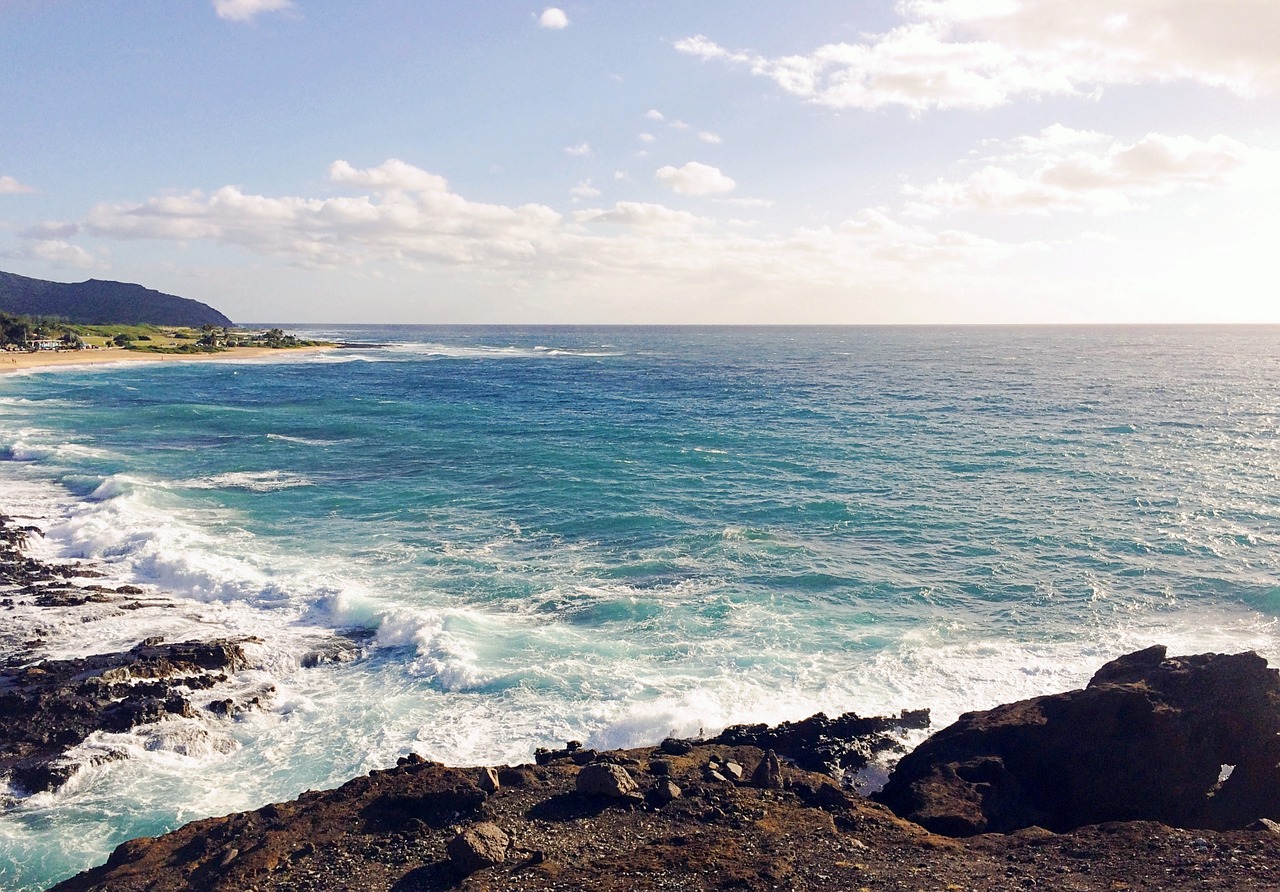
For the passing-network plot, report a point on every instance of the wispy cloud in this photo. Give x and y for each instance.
(979, 54)
(580, 150)
(1061, 169)
(246, 10)
(10, 186)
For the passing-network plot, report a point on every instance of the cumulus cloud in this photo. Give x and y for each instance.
(695, 179)
(979, 54)
(581, 150)
(246, 10)
(411, 215)
(585, 190)
(1065, 169)
(399, 214)
(553, 18)
(59, 253)
(654, 115)
(10, 186)
(709, 137)
(646, 137)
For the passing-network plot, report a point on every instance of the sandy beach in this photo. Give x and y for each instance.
(14, 362)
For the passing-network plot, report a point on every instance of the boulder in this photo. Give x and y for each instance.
(483, 845)
(488, 780)
(1148, 739)
(606, 780)
(768, 774)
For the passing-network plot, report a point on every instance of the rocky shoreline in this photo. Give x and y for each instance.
(1163, 773)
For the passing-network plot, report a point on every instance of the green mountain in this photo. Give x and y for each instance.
(96, 302)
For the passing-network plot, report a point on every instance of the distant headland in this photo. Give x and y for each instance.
(97, 302)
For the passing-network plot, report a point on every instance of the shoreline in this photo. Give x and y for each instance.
(751, 807)
(19, 362)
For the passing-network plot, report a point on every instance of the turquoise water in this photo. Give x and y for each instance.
(610, 534)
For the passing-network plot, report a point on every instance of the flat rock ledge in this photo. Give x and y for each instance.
(702, 814)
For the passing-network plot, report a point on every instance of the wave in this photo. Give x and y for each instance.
(303, 441)
(253, 481)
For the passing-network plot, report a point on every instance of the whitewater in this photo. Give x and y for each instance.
(521, 536)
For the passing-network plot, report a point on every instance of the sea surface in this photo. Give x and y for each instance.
(614, 534)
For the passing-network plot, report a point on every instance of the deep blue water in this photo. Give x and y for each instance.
(612, 533)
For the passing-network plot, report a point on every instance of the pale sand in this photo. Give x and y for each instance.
(13, 362)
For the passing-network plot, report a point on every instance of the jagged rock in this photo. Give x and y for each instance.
(488, 780)
(477, 847)
(674, 746)
(732, 770)
(660, 767)
(606, 780)
(1146, 740)
(848, 742)
(768, 774)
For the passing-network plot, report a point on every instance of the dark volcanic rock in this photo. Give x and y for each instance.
(1146, 740)
(848, 742)
(49, 707)
(811, 836)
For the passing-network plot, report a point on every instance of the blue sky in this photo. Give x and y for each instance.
(403, 161)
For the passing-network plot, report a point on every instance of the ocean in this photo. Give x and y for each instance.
(530, 535)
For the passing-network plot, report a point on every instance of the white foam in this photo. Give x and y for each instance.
(253, 481)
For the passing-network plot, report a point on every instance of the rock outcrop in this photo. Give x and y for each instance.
(51, 706)
(1187, 741)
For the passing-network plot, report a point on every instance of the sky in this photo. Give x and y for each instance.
(646, 161)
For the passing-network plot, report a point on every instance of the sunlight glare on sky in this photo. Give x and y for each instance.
(934, 161)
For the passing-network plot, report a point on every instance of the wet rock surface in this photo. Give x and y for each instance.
(51, 706)
(1150, 738)
(846, 743)
(48, 707)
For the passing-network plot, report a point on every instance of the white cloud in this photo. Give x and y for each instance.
(415, 217)
(553, 18)
(398, 214)
(581, 150)
(695, 179)
(678, 125)
(978, 54)
(646, 137)
(709, 137)
(1064, 169)
(393, 174)
(654, 115)
(59, 253)
(585, 190)
(10, 186)
(245, 10)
